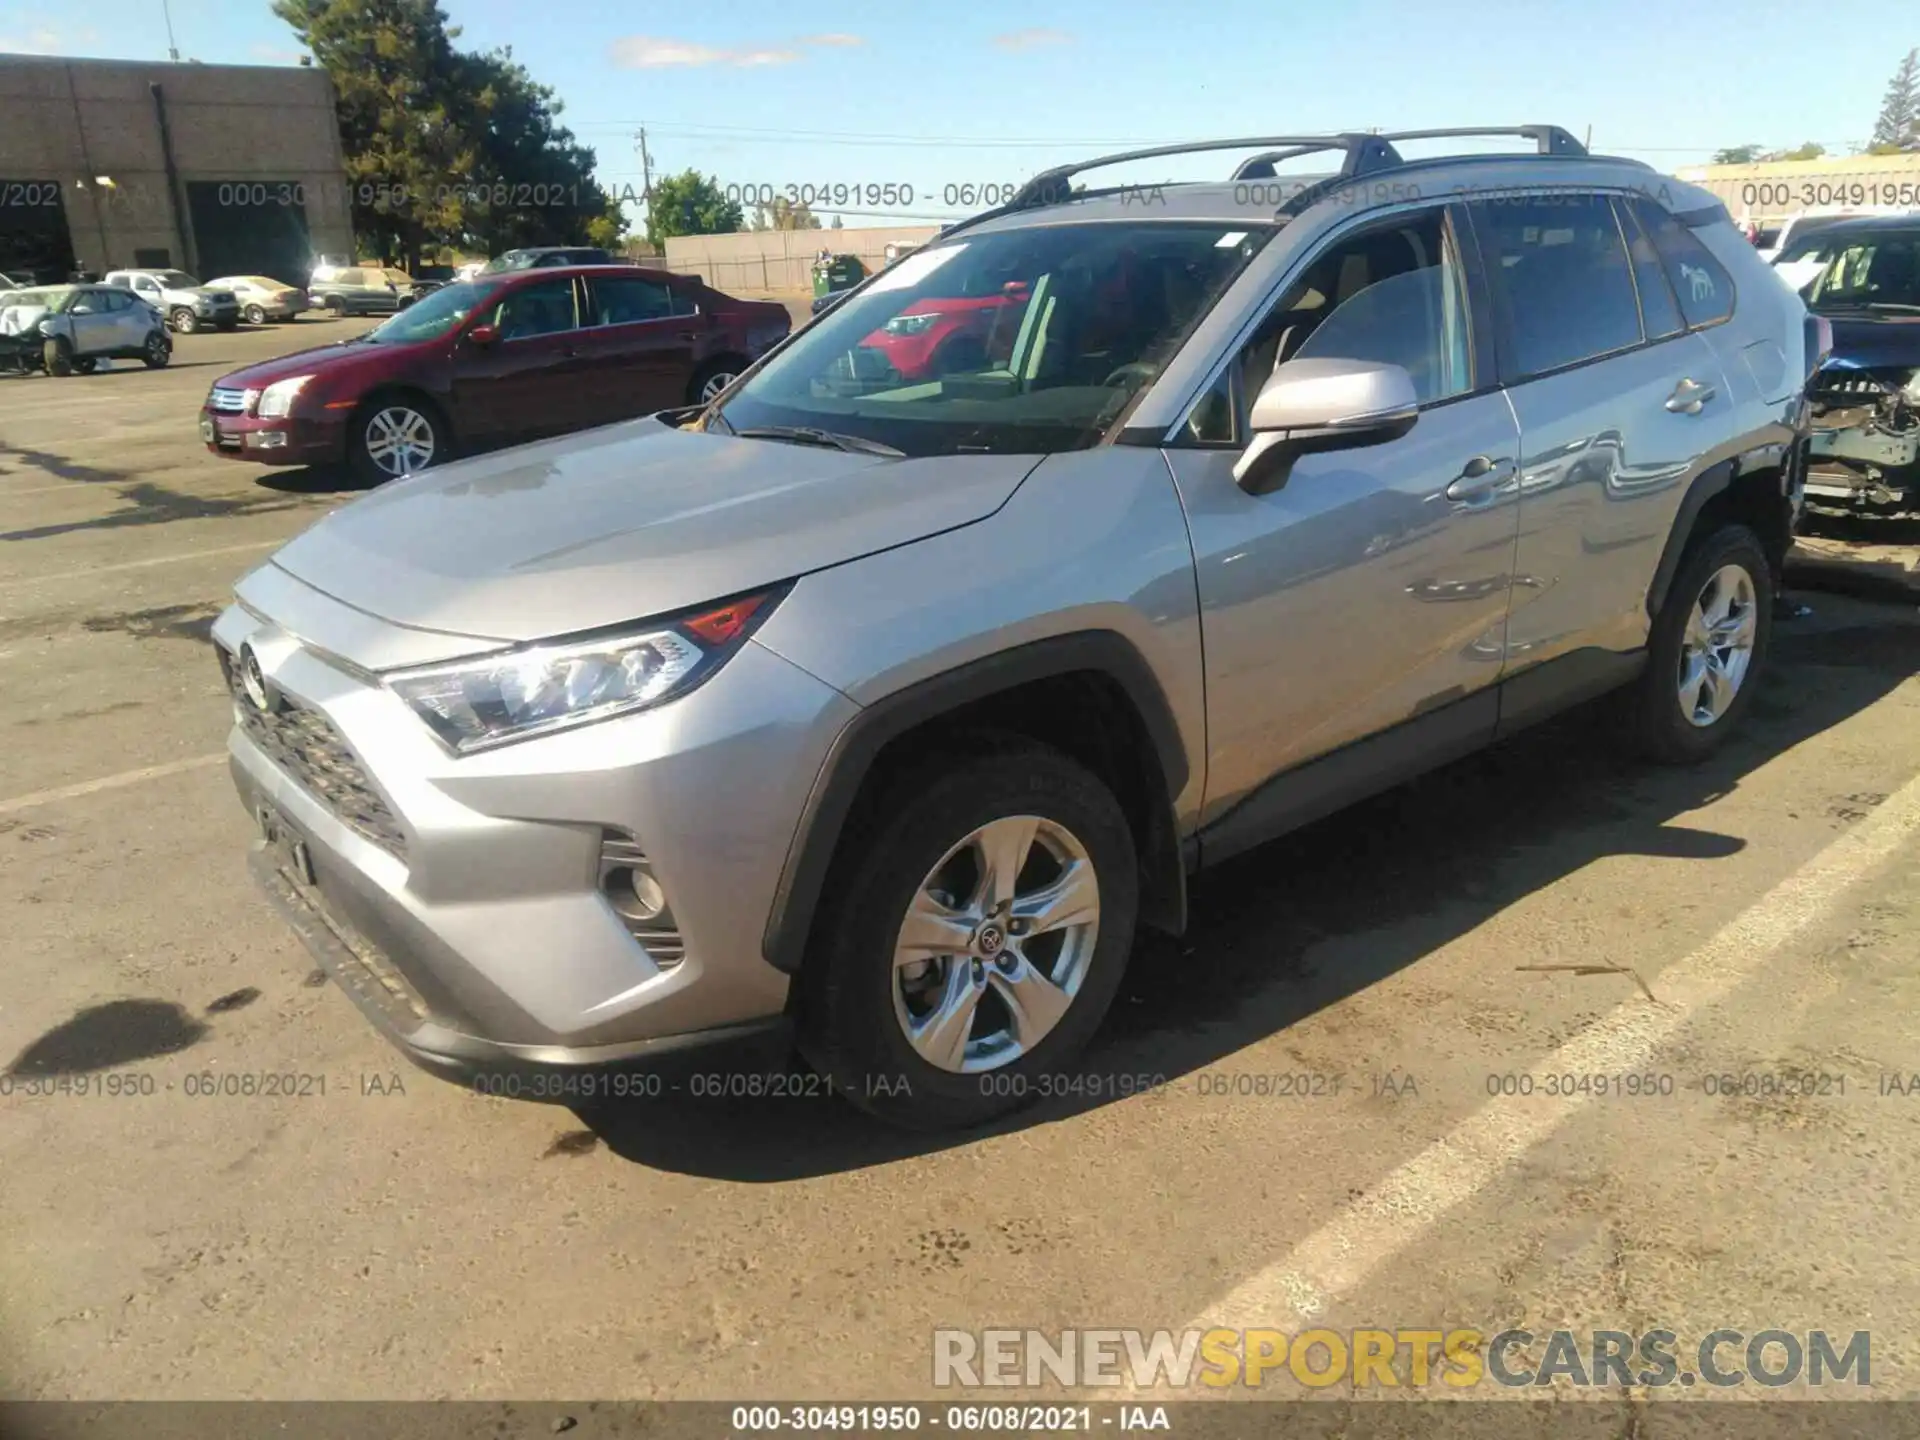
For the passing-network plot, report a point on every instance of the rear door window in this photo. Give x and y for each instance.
(1562, 280)
(628, 301)
(1701, 282)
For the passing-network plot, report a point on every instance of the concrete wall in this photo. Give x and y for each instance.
(780, 261)
(1771, 192)
(74, 120)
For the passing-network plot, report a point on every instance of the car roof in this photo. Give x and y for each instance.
(1854, 224)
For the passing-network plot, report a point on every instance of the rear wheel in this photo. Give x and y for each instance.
(255, 315)
(711, 379)
(183, 320)
(971, 945)
(1707, 649)
(394, 436)
(58, 355)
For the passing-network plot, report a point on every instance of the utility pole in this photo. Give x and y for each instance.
(173, 52)
(646, 169)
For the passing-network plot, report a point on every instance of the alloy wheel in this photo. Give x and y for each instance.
(400, 440)
(715, 384)
(996, 944)
(1716, 648)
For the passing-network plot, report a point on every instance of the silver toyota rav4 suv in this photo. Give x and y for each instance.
(1116, 531)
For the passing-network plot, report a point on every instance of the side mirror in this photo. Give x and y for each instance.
(1309, 406)
(483, 335)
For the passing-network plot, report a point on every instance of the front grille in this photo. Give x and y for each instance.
(1855, 387)
(305, 744)
(228, 402)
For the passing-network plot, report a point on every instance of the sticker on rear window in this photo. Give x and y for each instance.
(1230, 239)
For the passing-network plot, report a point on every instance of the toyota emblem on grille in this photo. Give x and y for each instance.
(254, 682)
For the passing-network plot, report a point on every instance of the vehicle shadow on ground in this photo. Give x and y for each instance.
(312, 480)
(1408, 872)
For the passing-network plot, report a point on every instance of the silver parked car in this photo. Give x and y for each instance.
(72, 329)
(1095, 542)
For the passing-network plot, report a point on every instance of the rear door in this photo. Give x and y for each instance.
(639, 342)
(528, 382)
(130, 324)
(1620, 407)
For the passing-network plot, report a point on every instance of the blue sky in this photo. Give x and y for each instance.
(932, 95)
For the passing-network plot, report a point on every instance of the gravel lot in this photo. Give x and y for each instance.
(1542, 908)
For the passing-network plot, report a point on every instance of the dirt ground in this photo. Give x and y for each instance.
(1548, 908)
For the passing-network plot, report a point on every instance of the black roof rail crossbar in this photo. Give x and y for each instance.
(1364, 155)
(1547, 139)
(1048, 184)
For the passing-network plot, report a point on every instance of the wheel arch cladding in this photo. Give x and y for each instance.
(1751, 495)
(1105, 708)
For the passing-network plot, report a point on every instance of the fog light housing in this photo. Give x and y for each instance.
(637, 897)
(267, 439)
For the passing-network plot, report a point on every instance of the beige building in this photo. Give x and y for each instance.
(1768, 193)
(776, 262)
(214, 169)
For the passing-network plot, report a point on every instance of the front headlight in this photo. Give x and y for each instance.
(1910, 392)
(911, 324)
(277, 399)
(539, 689)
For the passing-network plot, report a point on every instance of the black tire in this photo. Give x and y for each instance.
(157, 352)
(1659, 724)
(726, 367)
(58, 354)
(845, 1003)
(183, 321)
(360, 456)
(85, 364)
(255, 315)
(334, 306)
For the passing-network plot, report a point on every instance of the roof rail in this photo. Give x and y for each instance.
(1362, 152)
(1547, 139)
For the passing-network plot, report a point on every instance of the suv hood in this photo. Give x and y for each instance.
(1875, 340)
(626, 522)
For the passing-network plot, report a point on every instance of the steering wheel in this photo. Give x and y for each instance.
(1143, 370)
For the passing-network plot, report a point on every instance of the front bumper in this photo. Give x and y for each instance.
(284, 440)
(458, 901)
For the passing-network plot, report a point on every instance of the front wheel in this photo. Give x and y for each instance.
(84, 364)
(184, 321)
(157, 351)
(971, 944)
(392, 438)
(1707, 649)
(58, 355)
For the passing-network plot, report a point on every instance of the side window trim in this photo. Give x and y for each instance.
(1456, 236)
(1630, 230)
(1699, 220)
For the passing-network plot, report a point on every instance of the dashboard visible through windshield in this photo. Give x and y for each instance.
(1017, 341)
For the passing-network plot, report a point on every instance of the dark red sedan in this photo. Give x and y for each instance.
(494, 360)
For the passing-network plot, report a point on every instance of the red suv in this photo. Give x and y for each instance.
(492, 360)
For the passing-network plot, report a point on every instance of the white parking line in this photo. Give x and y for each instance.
(1390, 1219)
(141, 564)
(108, 782)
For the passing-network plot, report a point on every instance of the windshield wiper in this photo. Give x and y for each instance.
(807, 435)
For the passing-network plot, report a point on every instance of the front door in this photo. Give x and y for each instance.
(94, 330)
(1372, 588)
(527, 381)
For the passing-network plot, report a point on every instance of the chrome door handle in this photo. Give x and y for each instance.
(1479, 478)
(1689, 397)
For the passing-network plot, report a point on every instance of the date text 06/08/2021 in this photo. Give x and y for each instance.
(1009, 1419)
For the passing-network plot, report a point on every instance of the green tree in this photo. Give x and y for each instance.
(393, 68)
(1899, 108)
(444, 147)
(1737, 155)
(783, 214)
(690, 204)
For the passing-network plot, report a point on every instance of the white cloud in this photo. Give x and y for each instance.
(40, 42)
(1017, 40)
(835, 40)
(645, 52)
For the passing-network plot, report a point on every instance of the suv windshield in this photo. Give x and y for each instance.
(1871, 272)
(436, 315)
(1016, 341)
